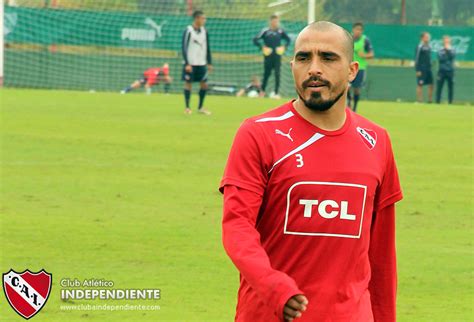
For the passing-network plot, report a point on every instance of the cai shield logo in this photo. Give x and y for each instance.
(27, 292)
(368, 136)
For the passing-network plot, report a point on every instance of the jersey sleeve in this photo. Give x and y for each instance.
(368, 45)
(389, 191)
(383, 265)
(256, 39)
(208, 50)
(285, 38)
(417, 58)
(241, 242)
(246, 166)
(185, 44)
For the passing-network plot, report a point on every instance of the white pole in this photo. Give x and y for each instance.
(1, 44)
(311, 11)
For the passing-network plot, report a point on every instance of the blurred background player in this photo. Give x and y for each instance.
(252, 89)
(424, 75)
(362, 52)
(272, 49)
(197, 60)
(151, 76)
(446, 57)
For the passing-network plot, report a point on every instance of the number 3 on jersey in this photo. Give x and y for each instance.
(299, 160)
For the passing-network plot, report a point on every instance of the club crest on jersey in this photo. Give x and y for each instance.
(27, 292)
(369, 137)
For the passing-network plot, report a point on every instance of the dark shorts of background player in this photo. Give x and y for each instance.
(359, 81)
(426, 78)
(197, 74)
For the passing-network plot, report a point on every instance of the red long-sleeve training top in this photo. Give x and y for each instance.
(309, 211)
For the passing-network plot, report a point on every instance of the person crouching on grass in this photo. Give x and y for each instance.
(151, 76)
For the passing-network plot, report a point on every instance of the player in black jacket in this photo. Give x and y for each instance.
(446, 57)
(424, 75)
(272, 48)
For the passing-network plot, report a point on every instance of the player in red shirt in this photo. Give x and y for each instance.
(309, 193)
(151, 76)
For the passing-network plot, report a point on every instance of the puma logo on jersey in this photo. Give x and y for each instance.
(277, 131)
(368, 136)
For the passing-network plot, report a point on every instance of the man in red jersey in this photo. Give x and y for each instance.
(150, 77)
(309, 193)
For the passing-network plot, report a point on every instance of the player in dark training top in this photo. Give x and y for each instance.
(446, 57)
(309, 199)
(424, 75)
(275, 41)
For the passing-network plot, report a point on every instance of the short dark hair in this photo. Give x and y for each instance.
(198, 13)
(274, 16)
(423, 33)
(358, 24)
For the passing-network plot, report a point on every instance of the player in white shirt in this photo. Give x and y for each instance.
(197, 60)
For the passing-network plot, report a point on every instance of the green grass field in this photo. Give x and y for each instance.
(124, 187)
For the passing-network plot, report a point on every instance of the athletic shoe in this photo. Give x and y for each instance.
(204, 111)
(188, 111)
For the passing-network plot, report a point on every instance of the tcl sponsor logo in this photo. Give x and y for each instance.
(323, 211)
(331, 209)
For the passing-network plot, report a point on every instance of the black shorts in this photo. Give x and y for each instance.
(426, 78)
(198, 74)
(359, 81)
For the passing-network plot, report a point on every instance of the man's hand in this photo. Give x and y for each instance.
(188, 68)
(295, 307)
(280, 50)
(266, 50)
(210, 68)
(418, 74)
